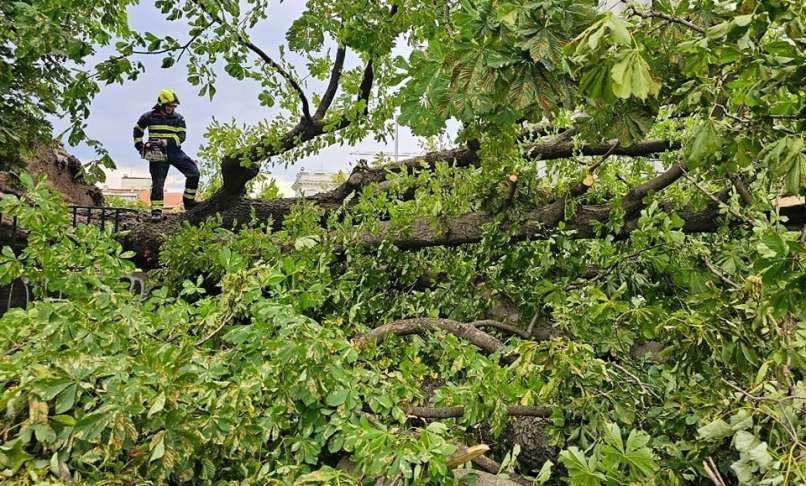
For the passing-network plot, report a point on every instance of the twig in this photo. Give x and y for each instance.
(758, 398)
(184, 47)
(224, 320)
(512, 188)
(712, 472)
(714, 198)
(532, 323)
(13, 349)
(716, 271)
(64, 474)
(670, 18)
(644, 387)
(612, 267)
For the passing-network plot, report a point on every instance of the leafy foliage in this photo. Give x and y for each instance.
(242, 365)
(44, 46)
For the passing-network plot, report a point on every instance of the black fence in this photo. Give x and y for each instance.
(98, 215)
(102, 215)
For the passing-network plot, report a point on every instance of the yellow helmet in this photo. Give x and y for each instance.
(167, 96)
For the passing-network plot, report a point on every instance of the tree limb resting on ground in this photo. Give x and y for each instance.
(421, 325)
(454, 412)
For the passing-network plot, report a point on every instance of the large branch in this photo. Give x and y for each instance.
(333, 85)
(235, 175)
(538, 223)
(588, 221)
(469, 156)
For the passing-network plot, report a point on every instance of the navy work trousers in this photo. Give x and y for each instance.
(159, 172)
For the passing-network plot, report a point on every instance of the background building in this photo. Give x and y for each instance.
(130, 188)
(133, 188)
(310, 183)
(139, 183)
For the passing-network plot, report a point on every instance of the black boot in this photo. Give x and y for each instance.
(189, 203)
(156, 215)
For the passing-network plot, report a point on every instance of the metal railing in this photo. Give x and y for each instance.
(84, 214)
(112, 213)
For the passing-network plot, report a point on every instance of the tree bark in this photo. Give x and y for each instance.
(421, 325)
(228, 203)
(469, 156)
(587, 222)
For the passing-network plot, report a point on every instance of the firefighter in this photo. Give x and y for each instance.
(166, 132)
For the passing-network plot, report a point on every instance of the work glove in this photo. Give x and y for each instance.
(139, 147)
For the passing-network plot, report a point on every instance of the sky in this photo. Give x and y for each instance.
(116, 108)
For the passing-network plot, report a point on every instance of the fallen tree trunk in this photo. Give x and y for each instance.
(145, 238)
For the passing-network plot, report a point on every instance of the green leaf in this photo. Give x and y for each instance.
(66, 399)
(579, 469)
(706, 142)
(90, 426)
(631, 77)
(26, 180)
(743, 20)
(785, 159)
(619, 30)
(743, 441)
(761, 456)
(336, 397)
(638, 455)
(56, 387)
(612, 436)
(159, 404)
(545, 472)
(13, 456)
(158, 449)
(717, 429)
(744, 471)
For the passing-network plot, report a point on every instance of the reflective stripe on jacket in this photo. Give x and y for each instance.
(161, 126)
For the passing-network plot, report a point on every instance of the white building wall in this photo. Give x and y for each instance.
(310, 183)
(135, 183)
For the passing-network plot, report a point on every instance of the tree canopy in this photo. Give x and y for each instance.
(600, 282)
